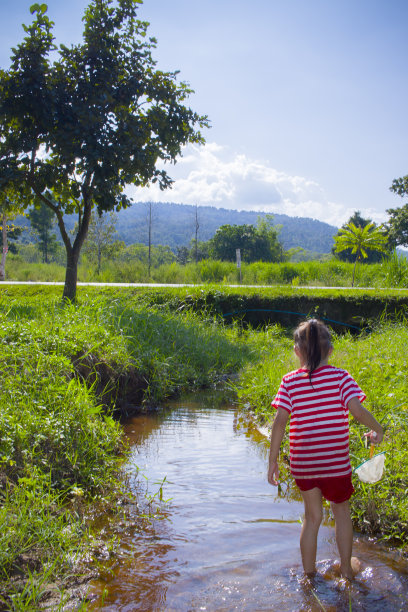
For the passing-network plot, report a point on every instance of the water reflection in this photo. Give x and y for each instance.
(227, 541)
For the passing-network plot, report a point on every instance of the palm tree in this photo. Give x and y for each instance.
(360, 240)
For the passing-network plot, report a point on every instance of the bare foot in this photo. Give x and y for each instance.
(355, 565)
(350, 572)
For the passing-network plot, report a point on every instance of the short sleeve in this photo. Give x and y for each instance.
(282, 398)
(349, 389)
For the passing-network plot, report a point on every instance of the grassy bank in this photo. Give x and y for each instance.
(392, 272)
(379, 363)
(63, 370)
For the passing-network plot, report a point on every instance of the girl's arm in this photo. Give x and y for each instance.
(278, 431)
(365, 417)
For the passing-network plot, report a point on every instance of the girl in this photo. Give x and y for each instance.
(318, 398)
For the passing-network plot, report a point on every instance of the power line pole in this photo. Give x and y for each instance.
(196, 233)
(150, 237)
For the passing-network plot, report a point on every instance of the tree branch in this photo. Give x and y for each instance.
(60, 218)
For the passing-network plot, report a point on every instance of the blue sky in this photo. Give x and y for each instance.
(307, 99)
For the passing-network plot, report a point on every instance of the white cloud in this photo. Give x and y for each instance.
(213, 176)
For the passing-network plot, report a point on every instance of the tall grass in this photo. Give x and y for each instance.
(392, 272)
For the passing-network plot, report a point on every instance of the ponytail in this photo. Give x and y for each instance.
(313, 340)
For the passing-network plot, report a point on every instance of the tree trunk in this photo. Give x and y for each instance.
(150, 238)
(5, 249)
(354, 271)
(71, 275)
(196, 234)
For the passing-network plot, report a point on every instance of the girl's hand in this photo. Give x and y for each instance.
(375, 437)
(273, 473)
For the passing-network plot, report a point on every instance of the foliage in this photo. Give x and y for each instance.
(76, 130)
(398, 221)
(395, 270)
(129, 265)
(32, 529)
(9, 232)
(195, 252)
(55, 443)
(58, 443)
(258, 243)
(360, 240)
(372, 256)
(42, 220)
(174, 225)
(13, 234)
(100, 238)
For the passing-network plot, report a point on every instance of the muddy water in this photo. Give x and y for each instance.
(226, 540)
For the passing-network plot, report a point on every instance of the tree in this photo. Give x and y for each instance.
(42, 220)
(75, 131)
(360, 240)
(182, 255)
(256, 242)
(228, 238)
(270, 249)
(347, 254)
(398, 221)
(100, 240)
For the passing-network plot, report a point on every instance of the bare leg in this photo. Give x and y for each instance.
(312, 500)
(344, 536)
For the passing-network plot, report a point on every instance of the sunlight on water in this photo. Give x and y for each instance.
(228, 541)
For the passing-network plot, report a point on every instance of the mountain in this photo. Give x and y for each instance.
(174, 225)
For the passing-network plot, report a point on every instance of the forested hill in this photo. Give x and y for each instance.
(174, 225)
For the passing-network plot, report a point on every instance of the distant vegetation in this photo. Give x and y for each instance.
(130, 265)
(174, 225)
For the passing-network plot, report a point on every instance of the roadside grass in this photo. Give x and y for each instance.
(379, 363)
(391, 272)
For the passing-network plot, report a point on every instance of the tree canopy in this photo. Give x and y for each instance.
(398, 221)
(76, 130)
(257, 243)
(360, 240)
(348, 254)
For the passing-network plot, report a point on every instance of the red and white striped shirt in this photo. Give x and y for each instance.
(319, 428)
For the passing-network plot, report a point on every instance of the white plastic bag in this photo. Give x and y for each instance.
(371, 470)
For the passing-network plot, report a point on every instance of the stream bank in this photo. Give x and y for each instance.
(57, 442)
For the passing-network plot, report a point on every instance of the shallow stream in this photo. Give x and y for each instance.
(226, 539)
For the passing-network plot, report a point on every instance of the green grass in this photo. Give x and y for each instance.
(63, 368)
(392, 272)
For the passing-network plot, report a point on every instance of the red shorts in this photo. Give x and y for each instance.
(337, 489)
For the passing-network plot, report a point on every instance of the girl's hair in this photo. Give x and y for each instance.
(313, 339)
